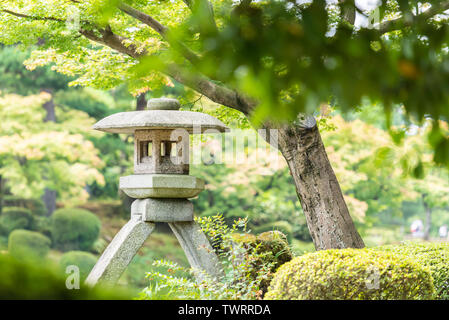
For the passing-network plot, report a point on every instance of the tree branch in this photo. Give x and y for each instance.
(395, 24)
(161, 29)
(216, 92)
(21, 15)
(114, 41)
(144, 18)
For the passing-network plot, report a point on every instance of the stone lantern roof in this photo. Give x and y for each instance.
(163, 114)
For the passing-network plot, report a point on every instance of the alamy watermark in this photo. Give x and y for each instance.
(72, 281)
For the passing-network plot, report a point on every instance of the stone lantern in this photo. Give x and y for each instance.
(161, 185)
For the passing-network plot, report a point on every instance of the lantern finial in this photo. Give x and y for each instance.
(163, 104)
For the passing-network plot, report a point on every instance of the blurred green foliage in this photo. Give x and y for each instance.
(74, 229)
(85, 261)
(28, 246)
(13, 218)
(21, 280)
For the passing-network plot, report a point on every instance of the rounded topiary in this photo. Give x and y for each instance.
(434, 255)
(268, 248)
(85, 261)
(351, 274)
(24, 244)
(74, 229)
(13, 218)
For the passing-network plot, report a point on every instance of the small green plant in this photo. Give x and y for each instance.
(434, 255)
(245, 267)
(74, 229)
(85, 261)
(28, 245)
(351, 274)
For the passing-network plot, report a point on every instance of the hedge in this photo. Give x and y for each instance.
(434, 255)
(36, 206)
(13, 218)
(270, 247)
(74, 229)
(28, 245)
(85, 261)
(351, 274)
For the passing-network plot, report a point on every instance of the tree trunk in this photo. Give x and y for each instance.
(319, 192)
(141, 102)
(49, 107)
(49, 197)
(428, 224)
(1, 194)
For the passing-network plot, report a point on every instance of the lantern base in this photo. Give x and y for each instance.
(142, 186)
(163, 210)
(131, 237)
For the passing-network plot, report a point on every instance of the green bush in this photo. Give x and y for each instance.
(42, 225)
(351, 274)
(3, 243)
(29, 245)
(85, 261)
(74, 229)
(434, 255)
(20, 280)
(267, 249)
(13, 218)
(36, 206)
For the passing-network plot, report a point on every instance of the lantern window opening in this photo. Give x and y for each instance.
(146, 151)
(169, 149)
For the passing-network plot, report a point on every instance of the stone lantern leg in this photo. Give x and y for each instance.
(161, 185)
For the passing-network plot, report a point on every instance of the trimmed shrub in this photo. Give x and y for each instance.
(85, 261)
(20, 280)
(74, 229)
(434, 255)
(36, 206)
(351, 274)
(28, 245)
(13, 218)
(269, 248)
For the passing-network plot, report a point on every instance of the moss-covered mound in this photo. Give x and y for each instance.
(268, 248)
(351, 274)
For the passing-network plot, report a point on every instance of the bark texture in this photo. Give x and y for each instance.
(327, 215)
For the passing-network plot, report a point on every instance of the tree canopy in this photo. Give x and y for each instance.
(35, 155)
(264, 58)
